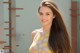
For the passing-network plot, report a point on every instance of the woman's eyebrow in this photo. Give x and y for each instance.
(40, 12)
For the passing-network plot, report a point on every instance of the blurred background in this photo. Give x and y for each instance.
(18, 18)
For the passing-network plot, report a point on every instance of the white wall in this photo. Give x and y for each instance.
(29, 21)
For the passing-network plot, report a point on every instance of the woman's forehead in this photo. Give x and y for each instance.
(45, 9)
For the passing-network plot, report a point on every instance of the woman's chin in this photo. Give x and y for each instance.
(44, 24)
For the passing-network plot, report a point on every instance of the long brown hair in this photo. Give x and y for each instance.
(58, 38)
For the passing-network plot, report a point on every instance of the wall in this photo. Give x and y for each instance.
(1, 23)
(28, 21)
(5, 25)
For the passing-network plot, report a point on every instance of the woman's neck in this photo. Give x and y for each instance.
(46, 28)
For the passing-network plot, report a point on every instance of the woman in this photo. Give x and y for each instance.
(53, 36)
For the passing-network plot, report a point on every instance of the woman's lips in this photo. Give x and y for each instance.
(44, 20)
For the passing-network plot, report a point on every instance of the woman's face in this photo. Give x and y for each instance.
(46, 15)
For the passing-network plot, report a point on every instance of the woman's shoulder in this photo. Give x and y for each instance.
(36, 30)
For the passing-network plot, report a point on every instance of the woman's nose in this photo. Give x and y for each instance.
(43, 16)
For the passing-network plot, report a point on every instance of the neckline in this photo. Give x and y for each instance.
(44, 32)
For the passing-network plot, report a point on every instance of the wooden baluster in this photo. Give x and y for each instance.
(10, 34)
(6, 2)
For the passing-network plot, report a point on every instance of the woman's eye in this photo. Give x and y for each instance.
(47, 14)
(40, 13)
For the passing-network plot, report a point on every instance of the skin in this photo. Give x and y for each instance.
(46, 16)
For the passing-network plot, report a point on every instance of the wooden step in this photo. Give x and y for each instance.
(10, 34)
(7, 22)
(15, 8)
(8, 28)
(2, 42)
(75, 15)
(75, 9)
(17, 15)
(7, 47)
(17, 45)
(6, 2)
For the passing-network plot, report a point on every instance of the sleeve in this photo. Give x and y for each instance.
(33, 34)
